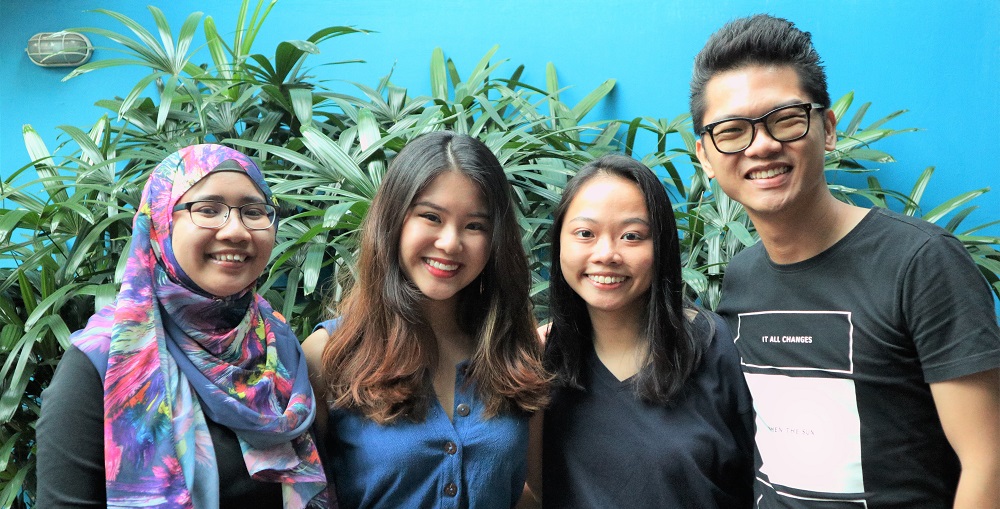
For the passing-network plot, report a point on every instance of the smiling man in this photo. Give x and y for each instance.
(868, 339)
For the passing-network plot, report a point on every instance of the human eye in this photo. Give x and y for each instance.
(730, 129)
(790, 115)
(207, 208)
(633, 236)
(788, 123)
(478, 226)
(254, 211)
(583, 234)
(430, 216)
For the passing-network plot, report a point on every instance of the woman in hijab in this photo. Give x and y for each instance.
(188, 390)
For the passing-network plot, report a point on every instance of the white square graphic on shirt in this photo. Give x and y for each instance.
(808, 432)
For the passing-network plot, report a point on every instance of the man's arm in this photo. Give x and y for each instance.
(969, 409)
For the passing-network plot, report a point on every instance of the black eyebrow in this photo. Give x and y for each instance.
(249, 198)
(432, 205)
(778, 106)
(631, 220)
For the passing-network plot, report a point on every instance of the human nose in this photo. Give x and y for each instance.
(449, 240)
(762, 143)
(606, 251)
(234, 229)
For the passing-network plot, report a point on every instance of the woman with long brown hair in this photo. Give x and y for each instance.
(432, 367)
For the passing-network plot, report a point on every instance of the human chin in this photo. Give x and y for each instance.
(226, 274)
(224, 285)
(439, 288)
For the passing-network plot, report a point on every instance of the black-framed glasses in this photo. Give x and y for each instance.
(787, 123)
(215, 214)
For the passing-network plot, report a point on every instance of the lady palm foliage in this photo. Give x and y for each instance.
(324, 154)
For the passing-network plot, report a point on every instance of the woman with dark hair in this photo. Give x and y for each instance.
(432, 366)
(650, 408)
(188, 390)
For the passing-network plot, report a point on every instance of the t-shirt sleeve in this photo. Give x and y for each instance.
(727, 365)
(949, 309)
(328, 325)
(70, 435)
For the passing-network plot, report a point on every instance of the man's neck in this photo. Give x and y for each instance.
(795, 236)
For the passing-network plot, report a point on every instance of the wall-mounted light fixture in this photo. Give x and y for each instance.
(59, 49)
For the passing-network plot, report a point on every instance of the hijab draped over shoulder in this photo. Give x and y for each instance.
(171, 355)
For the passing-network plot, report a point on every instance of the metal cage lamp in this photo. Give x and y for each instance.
(59, 49)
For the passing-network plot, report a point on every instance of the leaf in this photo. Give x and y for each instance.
(11, 220)
(302, 104)
(696, 280)
(592, 99)
(27, 295)
(42, 160)
(10, 334)
(852, 128)
(335, 157)
(315, 254)
(439, 78)
(86, 247)
(741, 233)
(840, 106)
(918, 191)
(954, 203)
(13, 488)
(216, 48)
(6, 449)
(40, 313)
(22, 362)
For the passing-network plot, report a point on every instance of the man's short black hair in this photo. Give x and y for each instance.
(757, 40)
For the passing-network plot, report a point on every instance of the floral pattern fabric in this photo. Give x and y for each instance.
(170, 355)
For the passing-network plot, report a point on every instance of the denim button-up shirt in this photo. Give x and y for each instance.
(465, 463)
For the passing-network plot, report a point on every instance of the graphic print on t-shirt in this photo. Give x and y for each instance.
(797, 365)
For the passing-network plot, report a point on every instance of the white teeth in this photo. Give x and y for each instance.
(440, 266)
(229, 257)
(607, 280)
(766, 174)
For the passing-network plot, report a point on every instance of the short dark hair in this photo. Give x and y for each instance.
(672, 351)
(757, 40)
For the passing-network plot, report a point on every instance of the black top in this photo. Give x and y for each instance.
(839, 352)
(606, 448)
(71, 446)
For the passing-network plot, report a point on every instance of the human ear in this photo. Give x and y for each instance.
(829, 129)
(706, 165)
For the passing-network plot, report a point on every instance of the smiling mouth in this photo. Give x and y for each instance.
(441, 266)
(606, 280)
(766, 174)
(229, 257)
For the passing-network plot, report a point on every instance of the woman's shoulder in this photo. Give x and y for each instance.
(315, 343)
(711, 331)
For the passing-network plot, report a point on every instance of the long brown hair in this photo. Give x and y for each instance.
(378, 360)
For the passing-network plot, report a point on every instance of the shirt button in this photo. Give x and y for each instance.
(450, 447)
(462, 410)
(450, 489)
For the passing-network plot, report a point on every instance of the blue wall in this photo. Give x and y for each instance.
(940, 60)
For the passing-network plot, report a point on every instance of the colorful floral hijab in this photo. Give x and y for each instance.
(170, 355)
